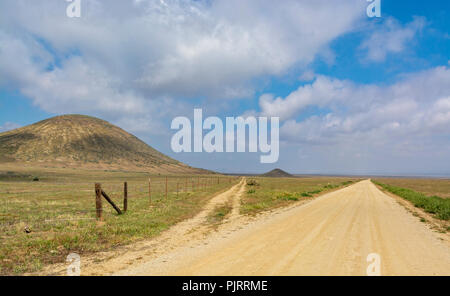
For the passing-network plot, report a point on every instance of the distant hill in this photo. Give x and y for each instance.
(84, 141)
(277, 173)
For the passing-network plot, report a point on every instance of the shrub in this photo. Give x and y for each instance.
(252, 183)
(287, 196)
(329, 186)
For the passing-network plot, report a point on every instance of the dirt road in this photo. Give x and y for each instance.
(331, 235)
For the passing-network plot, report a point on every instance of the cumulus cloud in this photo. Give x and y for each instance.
(391, 38)
(412, 115)
(148, 58)
(307, 76)
(323, 91)
(183, 48)
(140, 63)
(401, 128)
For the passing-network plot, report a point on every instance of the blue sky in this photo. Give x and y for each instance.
(355, 95)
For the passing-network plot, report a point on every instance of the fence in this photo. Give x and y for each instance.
(159, 189)
(44, 207)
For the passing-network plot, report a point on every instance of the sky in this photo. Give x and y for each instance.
(355, 95)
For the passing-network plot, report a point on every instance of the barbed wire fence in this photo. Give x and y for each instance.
(45, 210)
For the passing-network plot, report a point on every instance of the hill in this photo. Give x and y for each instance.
(277, 173)
(86, 142)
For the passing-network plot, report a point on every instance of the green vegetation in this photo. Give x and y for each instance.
(219, 213)
(252, 182)
(268, 193)
(435, 205)
(346, 183)
(41, 222)
(13, 176)
(429, 187)
(287, 196)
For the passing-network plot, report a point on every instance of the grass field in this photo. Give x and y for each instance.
(58, 210)
(423, 193)
(219, 213)
(263, 194)
(57, 207)
(429, 187)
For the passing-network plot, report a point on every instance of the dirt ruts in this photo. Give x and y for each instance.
(331, 235)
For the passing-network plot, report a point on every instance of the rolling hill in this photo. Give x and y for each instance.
(277, 173)
(84, 142)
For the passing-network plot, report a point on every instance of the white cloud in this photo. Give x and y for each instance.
(147, 59)
(307, 76)
(392, 38)
(185, 48)
(402, 125)
(401, 128)
(7, 126)
(139, 65)
(323, 91)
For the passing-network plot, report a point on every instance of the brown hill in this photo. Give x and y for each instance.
(83, 141)
(277, 173)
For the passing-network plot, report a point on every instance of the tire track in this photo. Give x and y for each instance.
(331, 235)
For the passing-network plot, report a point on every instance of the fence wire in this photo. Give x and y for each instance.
(42, 209)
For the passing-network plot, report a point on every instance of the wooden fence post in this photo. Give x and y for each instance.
(98, 201)
(166, 187)
(150, 190)
(125, 197)
(108, 199)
